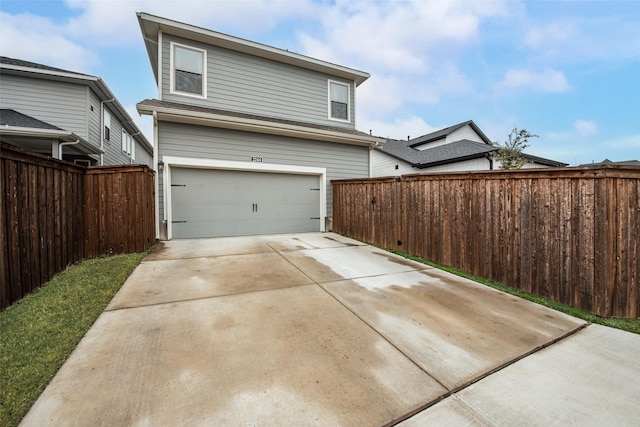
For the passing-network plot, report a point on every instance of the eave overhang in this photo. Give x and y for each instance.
(177, 115)
(82, 146)
(96, 84)
(151, 25)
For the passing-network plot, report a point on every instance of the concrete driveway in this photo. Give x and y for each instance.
(318, 329)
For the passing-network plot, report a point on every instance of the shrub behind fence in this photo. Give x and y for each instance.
(571, 234)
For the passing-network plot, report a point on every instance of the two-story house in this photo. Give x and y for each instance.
(457, 148)
(247, 137)
(67, 115)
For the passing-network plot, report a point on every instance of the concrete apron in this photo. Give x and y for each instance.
(306, 329)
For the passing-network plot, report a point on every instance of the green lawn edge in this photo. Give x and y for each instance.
(39, 332)
(625, 324)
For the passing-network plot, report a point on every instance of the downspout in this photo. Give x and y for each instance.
(488, 157)
(102, 129)
(77, 141)
(155, 168)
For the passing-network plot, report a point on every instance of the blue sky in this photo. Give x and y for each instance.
(568, 71)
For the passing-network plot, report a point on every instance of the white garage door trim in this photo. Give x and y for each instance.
(190, 162)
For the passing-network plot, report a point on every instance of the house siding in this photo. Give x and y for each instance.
(466, 165)
(385, 165)
(248, 84)
(466, 132)
(61, 104)
(142, 156)
(341, 161)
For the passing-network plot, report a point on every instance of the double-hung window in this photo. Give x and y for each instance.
(128, 144)
(107, 125)
(338, 101)
(188, 70)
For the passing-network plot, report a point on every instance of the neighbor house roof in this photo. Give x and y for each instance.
(151, 25)
(443, 133)
(22, 67)
(448, 153)
(442, 154)
(17, 126)
(609, 162)
(182, 113)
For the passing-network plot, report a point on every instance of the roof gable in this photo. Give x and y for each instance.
(443, 133)
(151, 25)
(96, 84)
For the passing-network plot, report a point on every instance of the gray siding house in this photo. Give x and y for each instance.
(67, 115)
(247, 137)
(458, 148)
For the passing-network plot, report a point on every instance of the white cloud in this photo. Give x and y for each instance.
(548, 80)
(625, 143)
(399, 128)
(580, 130)
(580, 38)
(399, 36)
(116, 23)
(585, 128)
(38, 39)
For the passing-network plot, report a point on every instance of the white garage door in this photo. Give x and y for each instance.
(213, 203)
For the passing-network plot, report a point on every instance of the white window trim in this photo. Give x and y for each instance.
(124, 144)
(172, 74)
(106, 123)
(329, 82)
(190, 162)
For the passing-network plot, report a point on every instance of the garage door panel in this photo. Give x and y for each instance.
(209, 203)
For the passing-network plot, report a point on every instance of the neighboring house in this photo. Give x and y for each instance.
(247, 137)
(606, 162)
(67, 115)
(462, 147)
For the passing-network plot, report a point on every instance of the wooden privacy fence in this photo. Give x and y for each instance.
(55, 213)
(571, 234)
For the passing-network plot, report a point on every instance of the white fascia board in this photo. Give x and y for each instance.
(192, 162)
(258, 126)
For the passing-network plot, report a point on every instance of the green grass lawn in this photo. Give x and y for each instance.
(629, 325)
(39, 332)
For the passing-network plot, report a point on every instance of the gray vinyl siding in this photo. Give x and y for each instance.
(248, 84)
(61, 104)
(113, 154)
(385, 165)
(341, 161)
(142, 156)
(95, 133)
(465, 132)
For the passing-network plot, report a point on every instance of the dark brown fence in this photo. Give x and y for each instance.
(571, 235)
(55, 213)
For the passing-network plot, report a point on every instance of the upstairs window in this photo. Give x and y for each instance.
(338, 101)
(107, 125)
(126, 142)
(188, 72)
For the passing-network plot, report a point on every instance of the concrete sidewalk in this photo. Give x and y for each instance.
(318, 329)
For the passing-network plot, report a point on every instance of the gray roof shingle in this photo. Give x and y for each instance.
(443, 133)
(9, 117)
(29, 64)
(448, 153)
